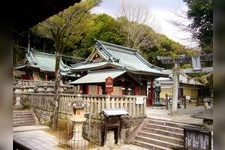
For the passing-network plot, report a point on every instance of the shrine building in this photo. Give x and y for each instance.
(131, 73)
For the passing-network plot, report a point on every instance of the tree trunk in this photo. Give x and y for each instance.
(175, 90)
(54, 117)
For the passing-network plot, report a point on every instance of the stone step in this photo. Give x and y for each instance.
(23, 118)
(163, 132)
(170, 123)
(21, 111)
(162, 137)
(149, 145)
(165, 127)
(23, 124)
(22, 115)
(157, 142)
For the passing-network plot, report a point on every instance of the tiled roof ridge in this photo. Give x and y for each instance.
(43, 53)
(135, 52)
(105, 70)
(118, 46)
(102, 48)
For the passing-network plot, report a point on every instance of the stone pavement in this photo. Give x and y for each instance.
(34, 137)
(120, 147)
(36, 140)
(183, 115)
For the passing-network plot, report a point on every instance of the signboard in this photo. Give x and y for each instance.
(195, 139)
(109, 85)
(139, 100)
(196, 64)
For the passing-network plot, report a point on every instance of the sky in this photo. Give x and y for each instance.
(163, 15)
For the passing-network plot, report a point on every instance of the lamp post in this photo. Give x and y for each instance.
(157, 86)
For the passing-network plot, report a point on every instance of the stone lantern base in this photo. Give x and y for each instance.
(77, 142)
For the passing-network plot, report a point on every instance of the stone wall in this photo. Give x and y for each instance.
(44, 116)
(129, 125)
(93, 128)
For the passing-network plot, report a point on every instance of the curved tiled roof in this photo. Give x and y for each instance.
(126, 57)
(43, 61)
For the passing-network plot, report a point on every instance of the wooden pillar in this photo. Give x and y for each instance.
(123, 90)
(136, 90)
(86, 89)
(151, 93)
(103, 89)
(97, 90)
(175, 90)
(46, 77)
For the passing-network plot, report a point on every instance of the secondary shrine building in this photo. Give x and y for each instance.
(41, 66)
(131, 73)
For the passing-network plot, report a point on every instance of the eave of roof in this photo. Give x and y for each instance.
(93, 66)
(98, 76)
(26, 14)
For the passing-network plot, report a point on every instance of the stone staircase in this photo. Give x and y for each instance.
(23, 118)
(157, 134)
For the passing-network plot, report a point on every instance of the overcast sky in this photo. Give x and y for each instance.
(163, 12)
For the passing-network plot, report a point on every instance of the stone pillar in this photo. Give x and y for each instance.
(78, 119)
(175, 90)
(18, 105)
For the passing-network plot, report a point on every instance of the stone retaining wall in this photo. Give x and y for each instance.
(44, 116)
(93, 129)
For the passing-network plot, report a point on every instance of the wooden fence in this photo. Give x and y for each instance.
(134, 105)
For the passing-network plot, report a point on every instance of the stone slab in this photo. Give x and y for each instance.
(37, 140)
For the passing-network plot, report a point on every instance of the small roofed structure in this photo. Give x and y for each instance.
(114, 112)
(126, 66)
(41, 66)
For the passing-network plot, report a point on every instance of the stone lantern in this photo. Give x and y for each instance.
(77, 121)
(18, 105)
(157, 86)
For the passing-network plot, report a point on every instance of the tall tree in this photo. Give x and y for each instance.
(132, 15)
(201, 12)
(101, 27)
(61, 28)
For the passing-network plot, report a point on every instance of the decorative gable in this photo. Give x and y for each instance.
(95, 57)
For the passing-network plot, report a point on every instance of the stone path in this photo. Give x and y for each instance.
(121, 147)
(183, 116)
(34, 137)
(36, 140)
(131, 147)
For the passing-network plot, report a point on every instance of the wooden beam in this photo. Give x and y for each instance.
(184, 59)
(190, 70)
